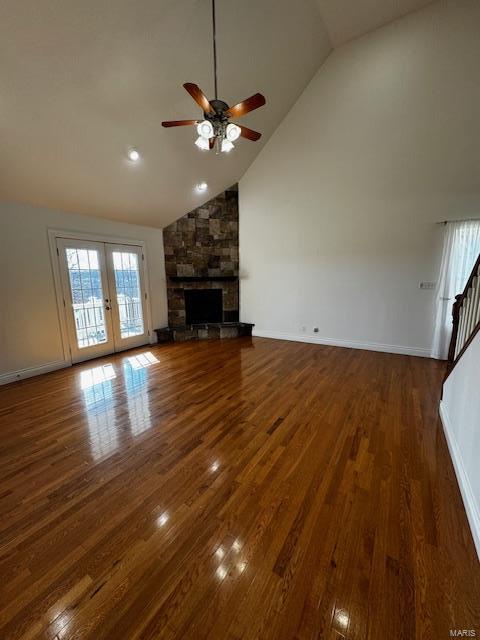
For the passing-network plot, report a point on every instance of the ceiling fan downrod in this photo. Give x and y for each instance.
(214, 33)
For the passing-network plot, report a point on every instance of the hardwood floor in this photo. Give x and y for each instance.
(246, 488)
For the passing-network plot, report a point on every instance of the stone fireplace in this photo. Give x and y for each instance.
(201, 264)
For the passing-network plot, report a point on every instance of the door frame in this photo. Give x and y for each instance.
(53, 235)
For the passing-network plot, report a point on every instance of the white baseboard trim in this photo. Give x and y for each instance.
(350, 344)
(466, 490)
(21, 374)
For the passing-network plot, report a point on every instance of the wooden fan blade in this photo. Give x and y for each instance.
(199, 97)
(240, 109)
(250, 134)
(178, 123)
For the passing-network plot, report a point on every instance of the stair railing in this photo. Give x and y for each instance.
(466, 317)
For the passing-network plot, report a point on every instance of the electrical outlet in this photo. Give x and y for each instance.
(315, 329)
(427, 285)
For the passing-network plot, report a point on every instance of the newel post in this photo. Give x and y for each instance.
(456, 320)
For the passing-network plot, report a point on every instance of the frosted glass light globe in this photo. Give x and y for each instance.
(205, 129)
(226, 145)
(202, 143)
(232, 132)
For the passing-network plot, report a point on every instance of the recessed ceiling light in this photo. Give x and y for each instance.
(202, 186)
(133, 155)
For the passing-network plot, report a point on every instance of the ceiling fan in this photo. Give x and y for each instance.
(216, 131)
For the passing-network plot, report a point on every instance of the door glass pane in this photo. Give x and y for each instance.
(87, 296)
(129, 295)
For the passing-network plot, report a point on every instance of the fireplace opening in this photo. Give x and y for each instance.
(203, 305)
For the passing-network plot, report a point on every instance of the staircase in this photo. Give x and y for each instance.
(466, 318)
(460, 405)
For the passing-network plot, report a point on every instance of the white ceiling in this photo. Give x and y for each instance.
(348, 19)
(81, 82)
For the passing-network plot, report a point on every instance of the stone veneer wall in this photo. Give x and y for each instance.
(204, 243)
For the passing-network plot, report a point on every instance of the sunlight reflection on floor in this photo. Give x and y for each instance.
(96, 384)
(138, 402)
(96, 375)
(142, 360)
(97, 388)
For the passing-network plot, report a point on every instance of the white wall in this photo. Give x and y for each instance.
(29, 327)
(338, 212)
(460, 411)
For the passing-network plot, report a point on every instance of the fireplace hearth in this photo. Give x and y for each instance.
(207, 331)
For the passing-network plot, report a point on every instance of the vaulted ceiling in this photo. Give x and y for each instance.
(82, 82)
(348, 19)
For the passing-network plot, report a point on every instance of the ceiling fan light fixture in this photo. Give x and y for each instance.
(226, 145)
(232, 132)
(205, 129)
(215, 131)
(202, 143)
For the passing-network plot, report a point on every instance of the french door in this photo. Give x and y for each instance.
(104, 297)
